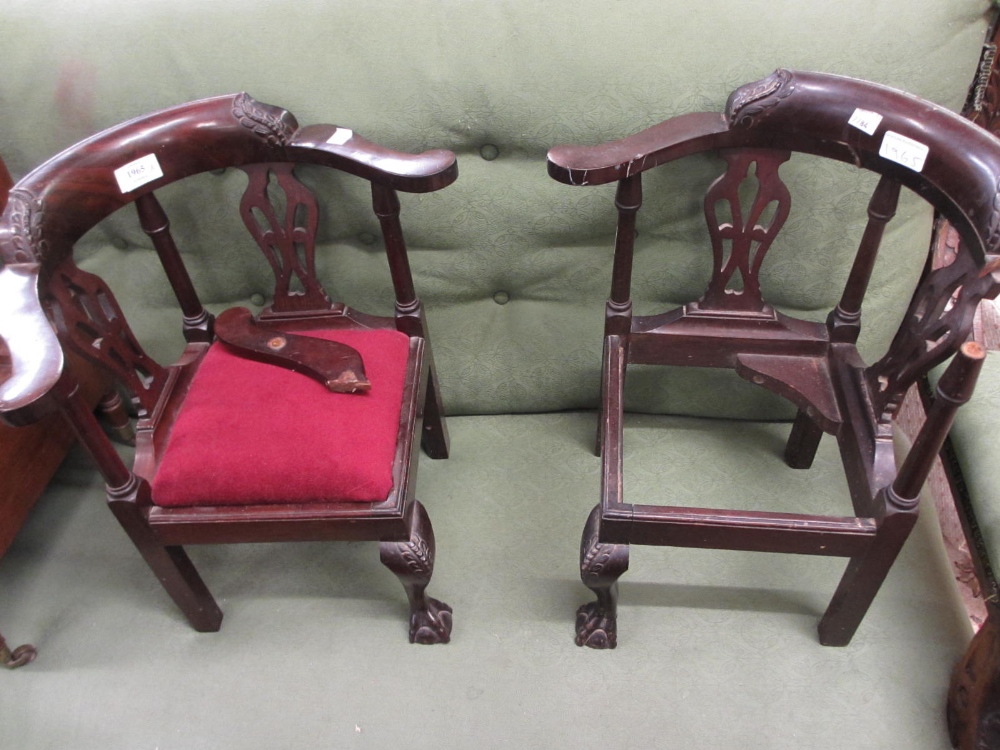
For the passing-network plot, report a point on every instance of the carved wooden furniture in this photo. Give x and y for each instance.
(974, 693)
(32, 454)
(909, 142)
(232, 446)
(15, 500)
(964, 494)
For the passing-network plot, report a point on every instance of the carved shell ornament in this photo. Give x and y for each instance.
(26, 213)
(262, 120)
(749, 101)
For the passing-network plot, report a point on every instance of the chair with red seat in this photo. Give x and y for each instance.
(300, 423)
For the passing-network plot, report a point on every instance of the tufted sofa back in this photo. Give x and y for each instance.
(513, 268)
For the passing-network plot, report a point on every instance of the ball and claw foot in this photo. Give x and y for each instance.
(431, 624)
(596, 627)
(18, 657)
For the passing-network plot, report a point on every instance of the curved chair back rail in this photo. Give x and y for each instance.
(57, 203)
(829, 116)
(909, 142)
(78, 187)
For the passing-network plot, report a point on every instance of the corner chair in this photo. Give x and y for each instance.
(300, 423)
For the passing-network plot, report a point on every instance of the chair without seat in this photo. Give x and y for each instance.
(911, 143)
(236, 442)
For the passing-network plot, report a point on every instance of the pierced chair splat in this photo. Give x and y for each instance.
(816, 366)
(300, 423)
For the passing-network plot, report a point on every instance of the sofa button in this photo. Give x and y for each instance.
(257, 299)
(489, 152)
(120, 242)
(366, 238)
(501, 298)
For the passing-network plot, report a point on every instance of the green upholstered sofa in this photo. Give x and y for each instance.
(512, 267)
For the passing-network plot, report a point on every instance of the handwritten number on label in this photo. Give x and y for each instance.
(902, 150)
(865, 120)
(137, 173)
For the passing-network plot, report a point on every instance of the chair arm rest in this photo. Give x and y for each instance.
(35, 353)
(348, 151)
(609, 162)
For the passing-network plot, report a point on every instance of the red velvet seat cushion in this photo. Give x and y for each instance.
(250, 432)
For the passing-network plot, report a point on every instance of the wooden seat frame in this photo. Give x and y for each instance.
(49, 304)
(814, 365)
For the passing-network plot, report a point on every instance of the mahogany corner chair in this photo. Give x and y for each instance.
(909, 142)
(305, 423)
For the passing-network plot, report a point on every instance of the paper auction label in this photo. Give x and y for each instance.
(902, 150)
(866, 121)
(137, 173)
(340, 136)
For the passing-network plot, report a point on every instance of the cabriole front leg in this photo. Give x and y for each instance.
(413, 563)
(601, 565)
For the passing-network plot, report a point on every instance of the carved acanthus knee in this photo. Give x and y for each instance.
(413, 563)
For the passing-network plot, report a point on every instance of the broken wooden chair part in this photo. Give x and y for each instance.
(337, 366)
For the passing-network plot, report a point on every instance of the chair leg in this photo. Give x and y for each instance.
(434, 440)
(974, 696)
(802, 442)
(171, 565)
(182, 582)
(863, 578)
(18, 657)
(413, 563)
(116, 418)
(601, 565)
